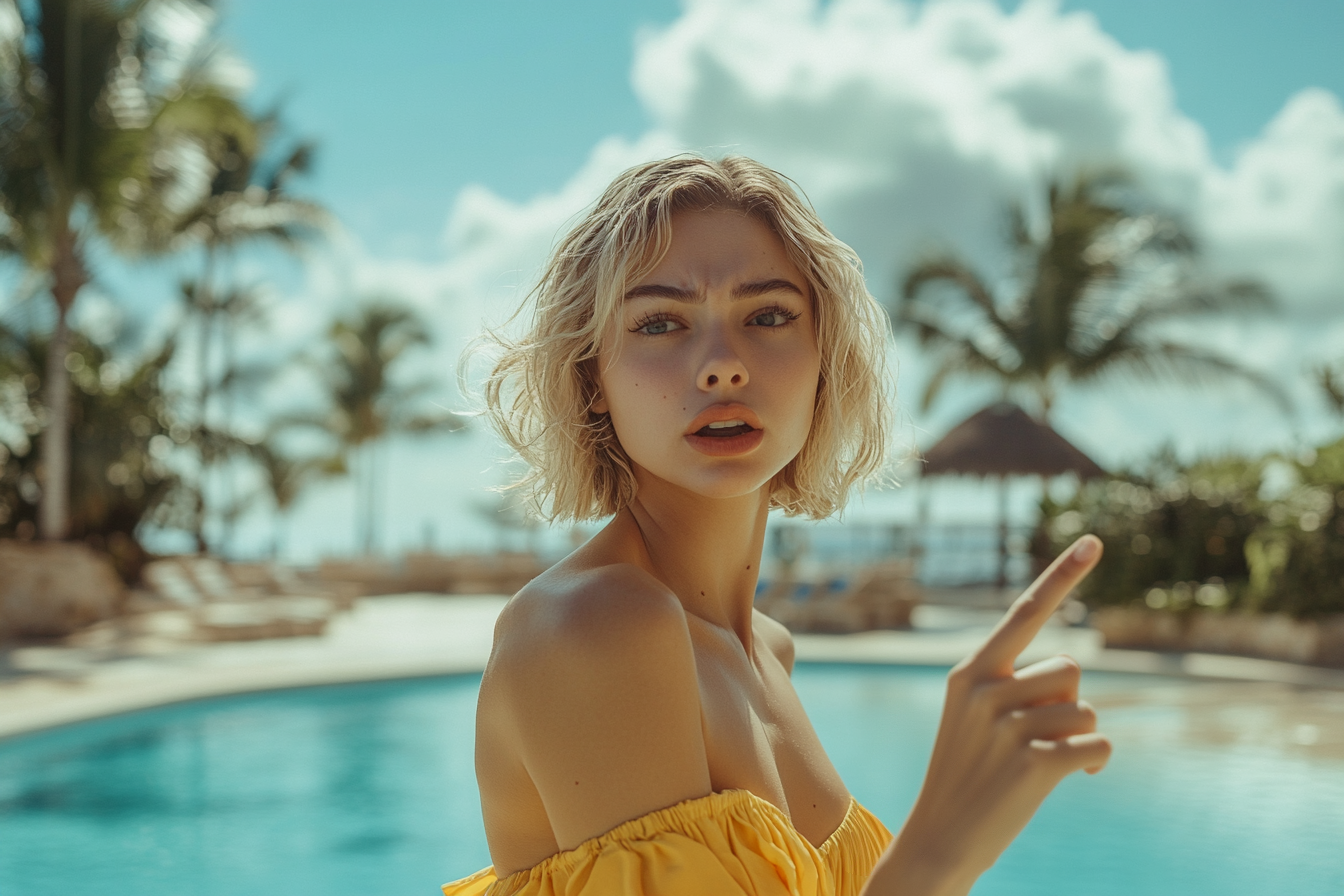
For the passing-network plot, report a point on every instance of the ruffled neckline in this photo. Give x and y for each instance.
(673, 817)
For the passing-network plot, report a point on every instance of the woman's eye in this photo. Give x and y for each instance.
(657, 327)
(777, 317)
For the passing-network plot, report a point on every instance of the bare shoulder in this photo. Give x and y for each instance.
(594, 615)
(777, 639)
(595, 670)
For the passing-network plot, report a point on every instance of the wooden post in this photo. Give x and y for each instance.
(1002, 581)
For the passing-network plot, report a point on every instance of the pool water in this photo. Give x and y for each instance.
(369, 789)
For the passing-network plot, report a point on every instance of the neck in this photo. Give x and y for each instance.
(707, 550)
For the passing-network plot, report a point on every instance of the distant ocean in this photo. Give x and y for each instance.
(440, 494)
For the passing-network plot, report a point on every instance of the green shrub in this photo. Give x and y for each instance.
(1207, 537)
(1296, 556)
(122, 429)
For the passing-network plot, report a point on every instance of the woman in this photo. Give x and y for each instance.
(703, 350)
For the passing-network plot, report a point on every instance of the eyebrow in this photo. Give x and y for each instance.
(741, 291)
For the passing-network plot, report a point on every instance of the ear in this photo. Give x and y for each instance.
(599, 405)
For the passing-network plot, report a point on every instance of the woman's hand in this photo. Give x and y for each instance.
(1005, 740)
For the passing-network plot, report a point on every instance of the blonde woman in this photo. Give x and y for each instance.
(702, 350)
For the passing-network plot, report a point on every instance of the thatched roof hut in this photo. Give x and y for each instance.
(1001, 441)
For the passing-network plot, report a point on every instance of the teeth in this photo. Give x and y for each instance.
(726, 424)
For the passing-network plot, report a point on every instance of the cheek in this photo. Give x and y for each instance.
(795, 371)
(796, 375)
(647, 375)
(639, 391)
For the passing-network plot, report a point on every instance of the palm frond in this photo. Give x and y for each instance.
(962, 358)
(426, 423)
(955, 273)
(1238, 296)
(1162, 359)
(1331, 382)
(1091, 291)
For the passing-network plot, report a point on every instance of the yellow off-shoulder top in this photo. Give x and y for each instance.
(724, 844)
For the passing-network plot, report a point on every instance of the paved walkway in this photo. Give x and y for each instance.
(110, 669)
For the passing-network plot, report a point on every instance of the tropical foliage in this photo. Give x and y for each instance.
(113, 113)
(1331, 380)
(125, 427)
(1262, 534)
(248, 201)
(1089, 295)
(365, 402)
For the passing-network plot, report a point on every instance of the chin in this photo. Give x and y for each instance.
(716, 478)
(723, 485)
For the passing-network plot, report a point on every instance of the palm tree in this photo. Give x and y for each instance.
(1087, 300)
(286, 476)
(247, 201)
(213, 438)
(365, 403)
(108, 112)
(123, 421)
(1331, 382)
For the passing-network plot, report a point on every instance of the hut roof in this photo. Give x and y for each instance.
(1003, 440)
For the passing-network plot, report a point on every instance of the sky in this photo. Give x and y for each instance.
(412, 105)
(457, 140)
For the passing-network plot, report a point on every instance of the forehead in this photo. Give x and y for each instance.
(716, 248)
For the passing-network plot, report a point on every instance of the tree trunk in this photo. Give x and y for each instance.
(67, 277)
(363, 487)
(278, 532)
(54, 511)
(371, 497)
(227, 332)
(1002, 579)
(205, 302)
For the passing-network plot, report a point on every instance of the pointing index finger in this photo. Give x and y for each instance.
(1029, 612)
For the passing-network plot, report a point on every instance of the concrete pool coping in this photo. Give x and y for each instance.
(420, 635)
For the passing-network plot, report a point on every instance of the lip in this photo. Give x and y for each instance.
(730, 446)
(717, 413)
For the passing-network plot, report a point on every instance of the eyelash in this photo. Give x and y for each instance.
(660, 316)
(789, 316)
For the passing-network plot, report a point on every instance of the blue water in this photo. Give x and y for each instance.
(369, 789)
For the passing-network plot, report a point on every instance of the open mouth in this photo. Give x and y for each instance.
(725, 429)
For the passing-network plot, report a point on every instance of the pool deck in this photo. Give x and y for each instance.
(112, 670)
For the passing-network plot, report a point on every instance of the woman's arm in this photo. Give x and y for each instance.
(1005, 740)
(599, 686)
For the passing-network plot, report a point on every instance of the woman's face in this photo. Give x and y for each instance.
(712, 379)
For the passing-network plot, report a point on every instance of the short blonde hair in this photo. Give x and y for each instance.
(541, 390)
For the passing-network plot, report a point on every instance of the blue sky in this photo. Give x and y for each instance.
(458, 139)
(413, 102)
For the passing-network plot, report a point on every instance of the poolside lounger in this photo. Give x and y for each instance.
(876, 597)
(222, 610)
(170, 581)
(278, 579)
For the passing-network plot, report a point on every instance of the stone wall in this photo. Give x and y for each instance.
(1266, 636)
(50, 589)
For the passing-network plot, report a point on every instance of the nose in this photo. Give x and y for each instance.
(721, 366)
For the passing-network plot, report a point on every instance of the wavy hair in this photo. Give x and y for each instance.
(540, 392)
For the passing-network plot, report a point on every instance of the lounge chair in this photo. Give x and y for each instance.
(276, 578)
(223, 610)
(879, 596)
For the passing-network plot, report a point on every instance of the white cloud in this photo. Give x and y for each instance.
(909, 129)
(1279, 213)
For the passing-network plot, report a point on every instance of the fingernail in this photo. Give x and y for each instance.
(1086, 549)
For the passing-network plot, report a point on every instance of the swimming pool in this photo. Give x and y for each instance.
(369, 789)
